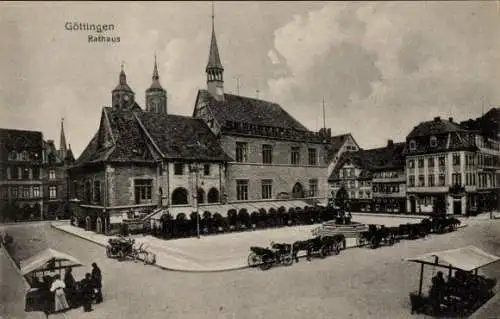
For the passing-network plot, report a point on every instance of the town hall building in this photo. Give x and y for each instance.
(234, 150)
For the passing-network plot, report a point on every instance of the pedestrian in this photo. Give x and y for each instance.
(87, 292)
(57, 287)
(70, 283)
(97, 279)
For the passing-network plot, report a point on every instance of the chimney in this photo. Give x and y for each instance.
(450, 119)
(329, 132)
(50, 141)
(390, 143)
(437, 119)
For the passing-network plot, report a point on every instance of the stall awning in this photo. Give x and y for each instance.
(48, 259)
(465, 258)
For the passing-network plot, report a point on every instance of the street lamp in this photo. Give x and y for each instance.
(194, 168)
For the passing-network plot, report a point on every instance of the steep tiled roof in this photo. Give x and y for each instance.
(20, 139)
(177, 137)
(335, 144)
(237, 108)
(488, 124)
(213, 57)
(434, 127)
(182, 137)
(384, 158)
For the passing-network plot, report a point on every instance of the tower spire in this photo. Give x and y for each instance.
(215, 70)
(156, 96)
(62, 143)
(213, 18)
(324, 117)
(156, 76)
(123, 76)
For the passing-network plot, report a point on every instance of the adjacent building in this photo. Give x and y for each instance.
(32, 175)
(452, 163)
(373, 179)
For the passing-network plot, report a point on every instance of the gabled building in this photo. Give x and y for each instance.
(141, 160)
(274, 155)
(452, 163)
(373, 179)
(337, 145)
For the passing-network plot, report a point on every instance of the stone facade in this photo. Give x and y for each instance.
(280, 171)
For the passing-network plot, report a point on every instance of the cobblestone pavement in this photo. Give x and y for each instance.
(359, 283)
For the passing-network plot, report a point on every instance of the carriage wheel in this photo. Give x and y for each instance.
(108, 252)
(254, 259)
(122, 255)
(336, 248)
(287, 260)
(324, 251)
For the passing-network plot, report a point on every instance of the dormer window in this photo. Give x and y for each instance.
(413, 145)
(433, 141)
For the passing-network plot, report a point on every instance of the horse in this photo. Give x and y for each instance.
(302, 245)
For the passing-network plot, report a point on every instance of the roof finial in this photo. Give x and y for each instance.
(121, 66)
(213, 16)
(324, 117)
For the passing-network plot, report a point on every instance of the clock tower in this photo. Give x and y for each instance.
(156, 96)
(122, 95)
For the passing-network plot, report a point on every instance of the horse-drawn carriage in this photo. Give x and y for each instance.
(265, 258)
(321, 246)
(461, 294)
(379, 234)
(122, 248)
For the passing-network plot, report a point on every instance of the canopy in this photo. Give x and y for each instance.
(48, 259)
(466, 258)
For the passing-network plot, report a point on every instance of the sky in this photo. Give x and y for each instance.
(381, 67)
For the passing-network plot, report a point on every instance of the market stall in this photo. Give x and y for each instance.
(464, 291)
(39, 271)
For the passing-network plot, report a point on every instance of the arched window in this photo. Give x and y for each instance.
(298, 191)
(213, 195)
(180, 196)
(201, 195)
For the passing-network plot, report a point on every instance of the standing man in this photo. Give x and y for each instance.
(87, 291)
(97, 280)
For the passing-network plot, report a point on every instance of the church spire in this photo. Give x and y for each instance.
(215, 70)
(123, 76)
(156, 96)
(62, 143)
(155, 71)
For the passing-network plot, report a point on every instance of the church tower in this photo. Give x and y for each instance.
(156, 96)
(122, 95)
(214, 70)
(62, 142)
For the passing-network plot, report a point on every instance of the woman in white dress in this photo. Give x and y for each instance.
(59, 296)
